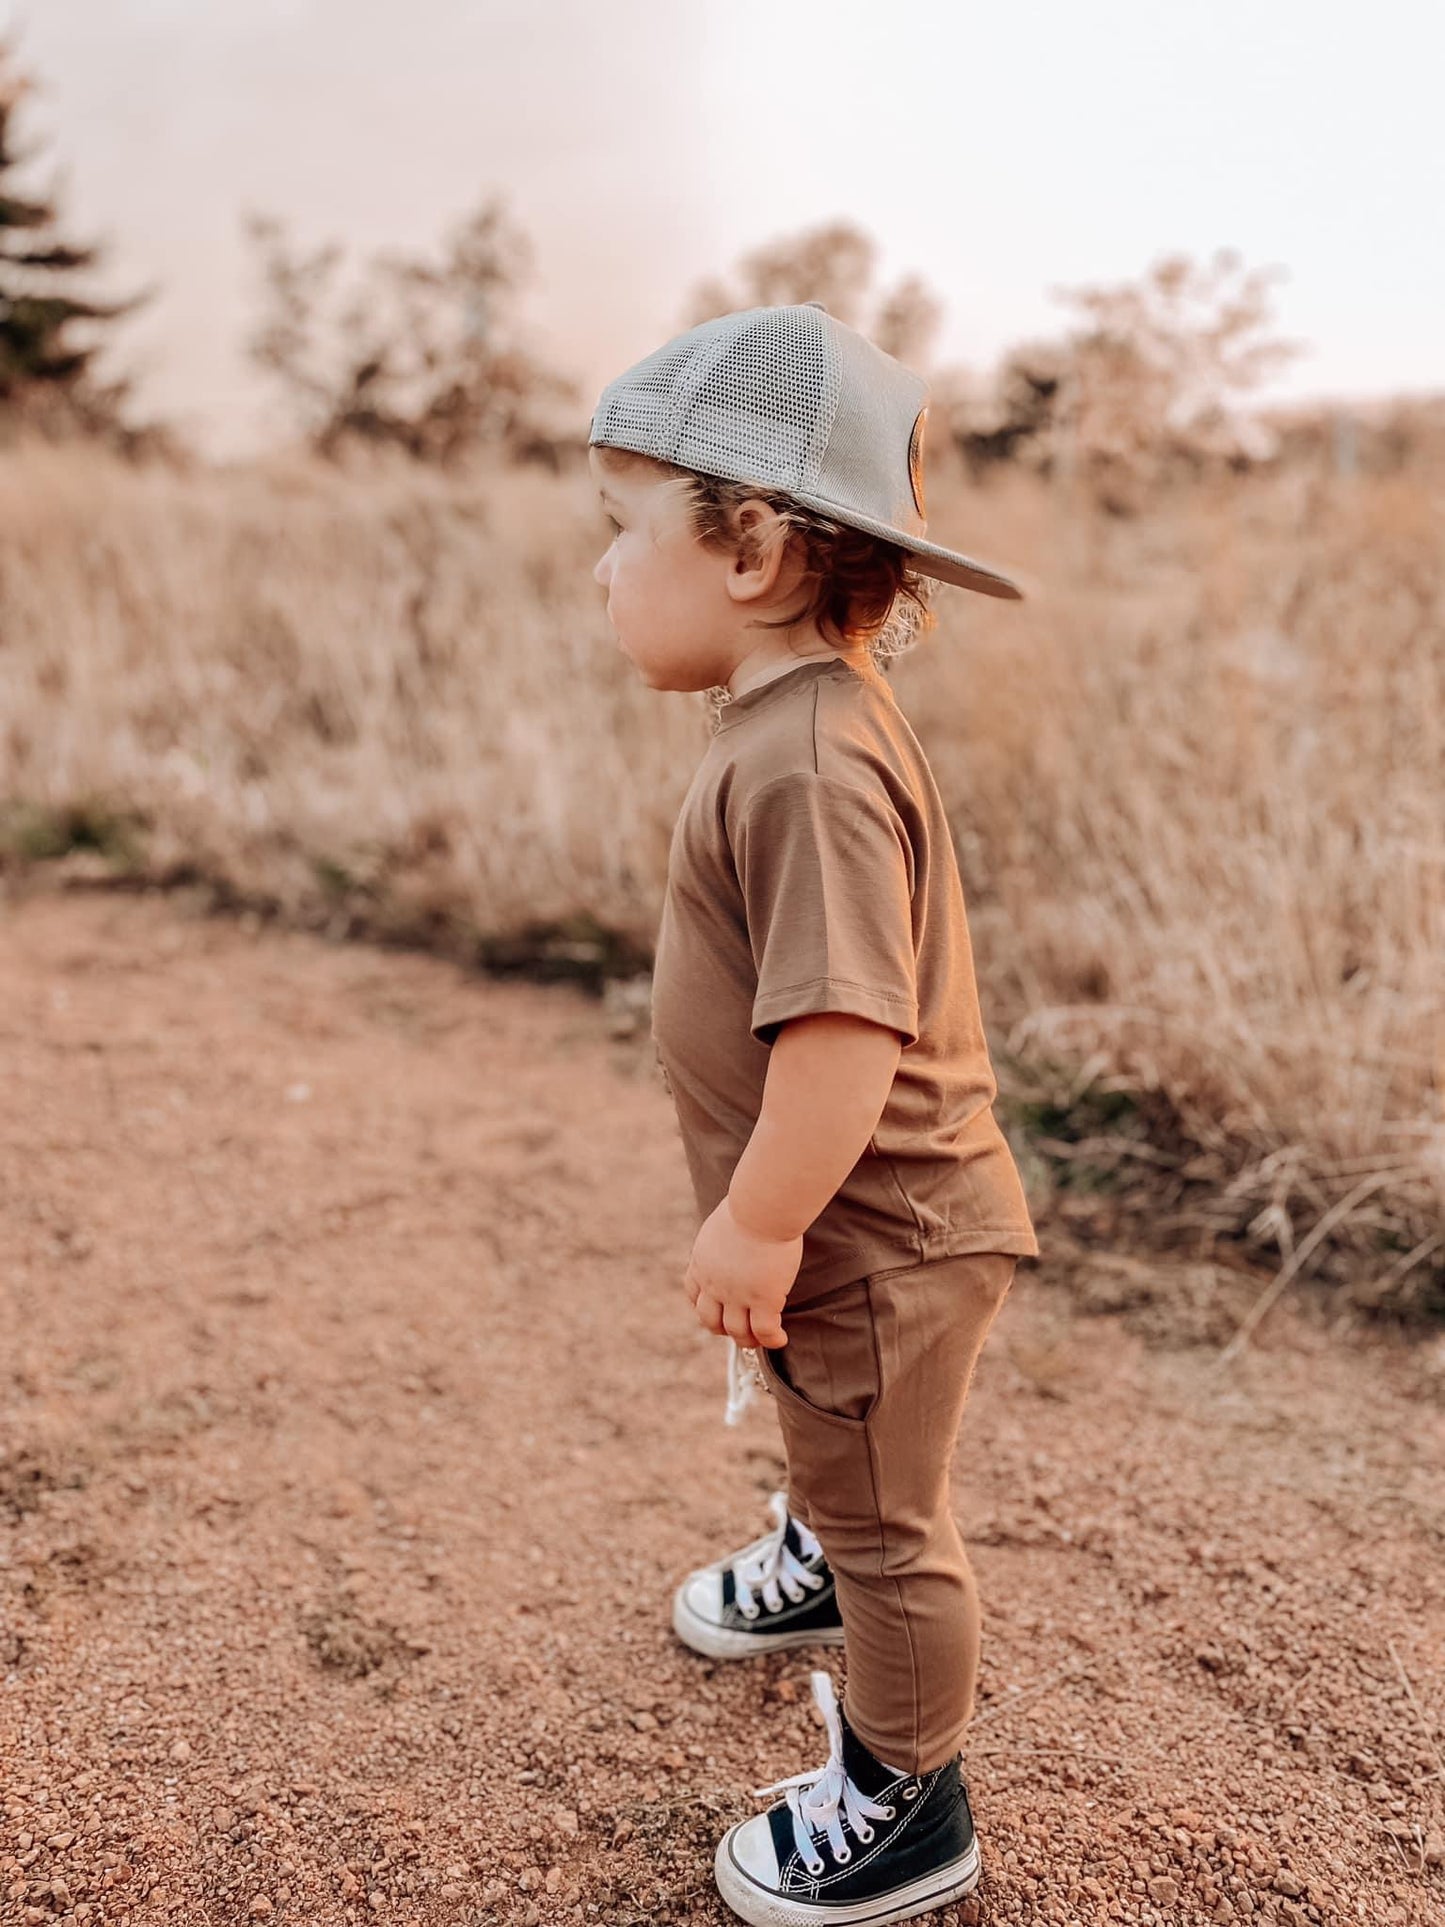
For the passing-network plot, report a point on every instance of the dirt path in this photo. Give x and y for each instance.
(355, 1432)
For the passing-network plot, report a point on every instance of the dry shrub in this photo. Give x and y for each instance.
(1197, 782)
(1204, 803)
(309, 681)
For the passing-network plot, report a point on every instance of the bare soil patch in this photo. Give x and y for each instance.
(355, 1432)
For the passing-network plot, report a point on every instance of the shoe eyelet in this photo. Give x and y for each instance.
(746, 1614)
(910, 1792)
(815, 1866)
(865, 1836)
(888, 1812)
(843, 1855)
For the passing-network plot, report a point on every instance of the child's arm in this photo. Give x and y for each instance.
(828, 1079)
(829, 1075)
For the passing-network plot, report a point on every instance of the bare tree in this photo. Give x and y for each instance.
(1146, 386)
(836, 264)
(424, 355)
(1157, 369)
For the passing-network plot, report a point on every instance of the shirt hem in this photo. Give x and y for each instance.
(860, 1263)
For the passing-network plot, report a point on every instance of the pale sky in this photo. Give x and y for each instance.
(999, 153)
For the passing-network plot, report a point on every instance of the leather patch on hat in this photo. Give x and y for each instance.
(915, 461)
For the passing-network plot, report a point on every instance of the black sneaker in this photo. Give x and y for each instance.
(854, 1840)
(777, 1592)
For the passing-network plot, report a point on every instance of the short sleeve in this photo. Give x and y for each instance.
(826, 871)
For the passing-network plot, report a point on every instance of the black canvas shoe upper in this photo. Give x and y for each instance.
(752, 1611)
(834, 1845)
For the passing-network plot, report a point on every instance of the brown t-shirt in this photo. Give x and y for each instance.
(812, 868)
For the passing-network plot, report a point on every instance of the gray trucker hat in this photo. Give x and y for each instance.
(794, 400)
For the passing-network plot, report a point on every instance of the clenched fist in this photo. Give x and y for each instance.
(738, 1282)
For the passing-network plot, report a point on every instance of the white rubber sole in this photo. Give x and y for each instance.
(723, 1642)
(937, 1888)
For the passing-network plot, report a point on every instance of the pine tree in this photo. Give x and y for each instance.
(46, 375)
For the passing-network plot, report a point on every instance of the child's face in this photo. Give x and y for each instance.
(666, 594)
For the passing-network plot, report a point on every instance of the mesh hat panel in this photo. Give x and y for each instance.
(792, 399)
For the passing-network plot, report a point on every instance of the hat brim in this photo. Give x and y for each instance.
(947, 565)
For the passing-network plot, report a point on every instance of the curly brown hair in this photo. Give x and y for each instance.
(862, 591)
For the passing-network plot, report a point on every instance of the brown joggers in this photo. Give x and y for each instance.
(870, 1390)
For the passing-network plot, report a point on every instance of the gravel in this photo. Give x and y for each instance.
(355, 1432)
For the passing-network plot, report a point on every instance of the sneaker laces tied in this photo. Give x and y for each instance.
(814, 1797)
(776, 1569)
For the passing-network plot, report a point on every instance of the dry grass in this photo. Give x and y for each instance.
(1198, 781)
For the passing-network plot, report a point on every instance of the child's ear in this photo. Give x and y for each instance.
(760, 542)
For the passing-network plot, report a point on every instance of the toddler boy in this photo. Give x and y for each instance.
(816, 1017)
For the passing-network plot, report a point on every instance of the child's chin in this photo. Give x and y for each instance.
(681, 677)
(686, 679)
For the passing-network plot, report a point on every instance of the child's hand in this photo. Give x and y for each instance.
(738, 1282)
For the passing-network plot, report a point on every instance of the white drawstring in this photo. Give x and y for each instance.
(814, 1797)
(776, 1569)
(744, 1378)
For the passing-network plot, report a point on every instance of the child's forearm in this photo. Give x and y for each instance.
(828, 1080)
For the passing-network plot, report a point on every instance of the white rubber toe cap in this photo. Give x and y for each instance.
(702, 1595)
(752, 1850)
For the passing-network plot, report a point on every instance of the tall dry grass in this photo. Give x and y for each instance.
(1197, 781)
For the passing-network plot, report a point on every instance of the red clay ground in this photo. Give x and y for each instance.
(356, 1431)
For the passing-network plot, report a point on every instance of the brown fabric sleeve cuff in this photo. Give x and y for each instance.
(834, 993)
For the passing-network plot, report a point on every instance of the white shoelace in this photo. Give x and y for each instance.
(776, 1569)
(814, 1797)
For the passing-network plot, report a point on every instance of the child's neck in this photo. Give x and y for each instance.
(755, 678)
